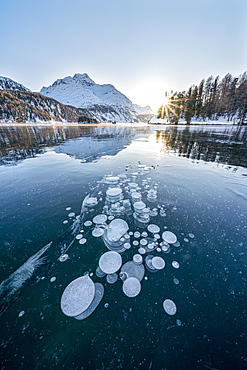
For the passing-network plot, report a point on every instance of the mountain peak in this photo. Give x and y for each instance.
(84, 79)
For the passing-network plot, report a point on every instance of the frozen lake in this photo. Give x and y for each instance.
(192, 181)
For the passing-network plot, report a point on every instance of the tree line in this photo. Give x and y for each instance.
(212, 99)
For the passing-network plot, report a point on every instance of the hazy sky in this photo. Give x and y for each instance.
(142, 47)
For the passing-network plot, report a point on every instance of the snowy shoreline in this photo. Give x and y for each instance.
(160, 124)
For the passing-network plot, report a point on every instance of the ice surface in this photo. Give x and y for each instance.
(77, 296)
(169, 306)
(110, 262)
(131, 287)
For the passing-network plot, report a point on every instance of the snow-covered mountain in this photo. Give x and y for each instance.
(7, 84)
(103, 102)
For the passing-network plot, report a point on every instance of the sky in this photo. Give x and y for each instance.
(142, 47)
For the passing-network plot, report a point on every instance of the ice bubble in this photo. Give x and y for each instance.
(151, 246)
(143, 241)
(178, 322)
(137, 234)
(158, 249)
(100, 219)
(131, 287)
(175, 264)
(87, 223)
(99, 273)
(158, 263)
(20, 314)
(106, 305)
(63, 258)
(110, 218)
(97, 232)
(144, 234)
(177, 244)
(176, 281)
(148, 262)
(68, 208)
(186, 240)
(52, 279)
(137, 259)
(153, 212)
(130, 269)
(131, 233)
(79, 236)
(127, 245)
(162, 213)
(113, 192)
(111, 278)
(90, 202)
(191, 235)
(110, 262)
(169, 237)
(136, 196)
(142, 250)
(99, 292)
(82, 241)
(77, 296)
(116, 229)
(169, 307)
(135, 242)
(157, 236)
(139, 206)
(71, 214)
(65, 221)
(111, 180)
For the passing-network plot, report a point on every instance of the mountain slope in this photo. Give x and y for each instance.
(23, 106)
(104, 102)
(8, 84)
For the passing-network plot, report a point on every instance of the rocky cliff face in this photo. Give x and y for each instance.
(103, 102)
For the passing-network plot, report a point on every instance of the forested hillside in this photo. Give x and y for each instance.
(212, 99)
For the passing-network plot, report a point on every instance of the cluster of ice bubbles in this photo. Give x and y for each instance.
(124, 202)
